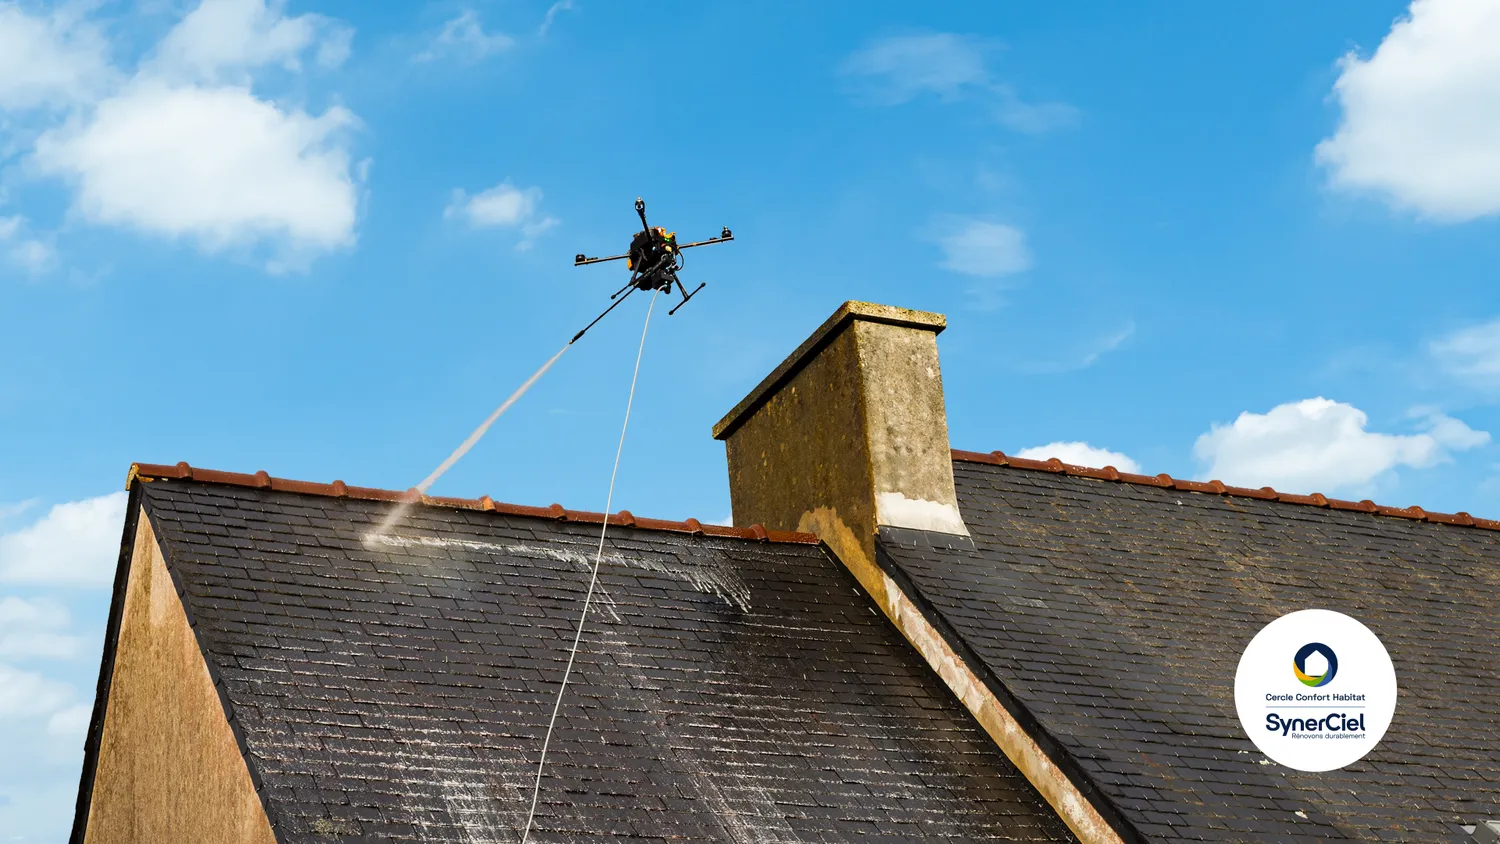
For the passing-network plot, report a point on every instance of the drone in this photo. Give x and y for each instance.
(654, 259)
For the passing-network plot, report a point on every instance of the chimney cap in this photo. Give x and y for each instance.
(825, 334)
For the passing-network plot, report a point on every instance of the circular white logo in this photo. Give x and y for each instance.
(1315, 690)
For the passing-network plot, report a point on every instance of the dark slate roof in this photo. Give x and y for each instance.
(1115, 614)
(726, 689)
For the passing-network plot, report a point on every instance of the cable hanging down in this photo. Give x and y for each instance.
(588, 596)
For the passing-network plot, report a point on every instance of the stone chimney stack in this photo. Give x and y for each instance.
(847, 435)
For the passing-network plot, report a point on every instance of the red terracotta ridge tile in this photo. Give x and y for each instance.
(1023, 463)
(993, 458)
(1108, 473)
(448, 501)
(1216, 487)
(1317, 499)
(148, 472)
(371, 494)
(523, 510)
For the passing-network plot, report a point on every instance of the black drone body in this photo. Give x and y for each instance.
(654, 259)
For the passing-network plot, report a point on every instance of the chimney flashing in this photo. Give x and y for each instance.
(894, 509)
(816, 342)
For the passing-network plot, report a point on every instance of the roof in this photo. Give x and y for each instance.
(1265, 493)
(725, 689)
(1108, 605)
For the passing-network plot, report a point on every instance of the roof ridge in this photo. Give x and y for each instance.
(147, 472)
(1265, 493)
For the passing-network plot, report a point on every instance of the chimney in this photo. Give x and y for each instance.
(848, 435)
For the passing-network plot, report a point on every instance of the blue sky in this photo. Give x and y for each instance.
(1250, 241)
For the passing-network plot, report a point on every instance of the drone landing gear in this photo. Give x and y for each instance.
(631, 288)
(686, 295)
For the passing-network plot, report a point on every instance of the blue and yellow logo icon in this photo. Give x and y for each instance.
(1328, 665)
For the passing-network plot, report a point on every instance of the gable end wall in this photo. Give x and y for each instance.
(168, 766)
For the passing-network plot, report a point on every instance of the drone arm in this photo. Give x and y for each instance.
(579, 259)
(723, 238)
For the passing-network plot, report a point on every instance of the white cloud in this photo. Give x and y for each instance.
(184, 148)
(49, 61)
(41, 613)
(1449, 433)
(985, 249)
(42, 719)
(1094, 353)
(901, 68)
(1322, 445)
(1472, 354)
(503, 206)
(33, 256)
(1080, 454)
(8, 511)
(50, 646)
(1032, 118)
(898, 69)
(1421, 117)
(38, 808)
(559, 6)
(21, 250)
(70, 723)
(222, 40)
(1108, 344)
(74, 544)
(335, 47)
(215, 164)
(36, 628)
(463, 37)
(24, 694)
